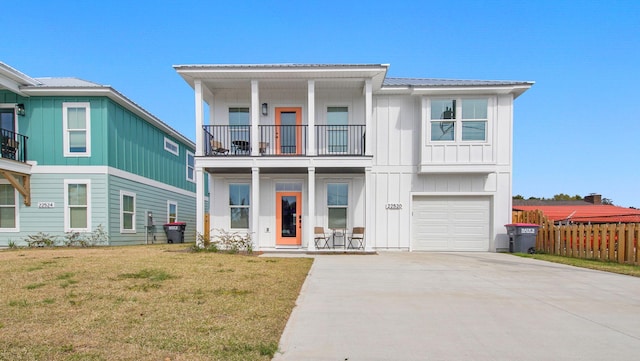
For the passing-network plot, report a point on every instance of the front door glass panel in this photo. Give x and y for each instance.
(289, 215)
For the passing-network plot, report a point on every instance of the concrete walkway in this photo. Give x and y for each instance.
(461, 306)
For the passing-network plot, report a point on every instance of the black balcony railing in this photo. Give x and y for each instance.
(13, 145)
(284, 140)
(340, 139)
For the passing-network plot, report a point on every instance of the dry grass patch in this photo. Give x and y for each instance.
(614, 267)
(144, 303)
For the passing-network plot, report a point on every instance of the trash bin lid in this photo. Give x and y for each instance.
(176, 224)
(522, 225)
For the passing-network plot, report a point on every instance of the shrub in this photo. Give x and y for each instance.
(234, 242)
(41, 240)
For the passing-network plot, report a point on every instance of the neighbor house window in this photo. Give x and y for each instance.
(172, 211)
(239, 205)
(77, 205)
(338, 203)
(171, 146)
(76, 122)
(459, 119)
(337, 129)
(127, 212)
(190, 167)
(7, 208)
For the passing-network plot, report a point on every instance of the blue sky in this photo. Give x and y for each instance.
(576, 130)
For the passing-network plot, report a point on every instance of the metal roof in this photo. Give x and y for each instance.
(430, 82)
(67, 83)
(276, 66)
(586, 213)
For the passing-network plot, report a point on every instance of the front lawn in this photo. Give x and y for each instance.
(144, 303)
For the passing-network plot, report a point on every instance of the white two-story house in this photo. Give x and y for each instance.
(420, 164)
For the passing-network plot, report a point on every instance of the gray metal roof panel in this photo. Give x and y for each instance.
(430, 82)
(67, 83)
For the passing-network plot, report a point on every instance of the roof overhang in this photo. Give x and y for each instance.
(12, 79)
(109, 92)
(225, 75)
(516, 90)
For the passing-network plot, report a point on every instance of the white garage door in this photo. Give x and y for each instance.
(450, 223)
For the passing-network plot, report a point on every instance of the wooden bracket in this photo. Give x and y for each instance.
(24, 188)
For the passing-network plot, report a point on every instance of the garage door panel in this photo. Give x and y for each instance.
(453, 223)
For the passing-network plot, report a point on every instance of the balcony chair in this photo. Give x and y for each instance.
(217, 148)
(320, 238)
(356, 241)
(263, 147)
(9, 148)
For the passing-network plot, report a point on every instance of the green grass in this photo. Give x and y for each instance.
(156, 302)
(613, 267)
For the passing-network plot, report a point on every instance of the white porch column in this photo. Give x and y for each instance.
(311, 117)
(368, 115)
(369, 206)
(197, 85)
(255, 118)
(311, 208)
(255, 206)
(198, 169)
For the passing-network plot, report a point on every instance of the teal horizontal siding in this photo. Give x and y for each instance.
(50, 188)
(152, 199)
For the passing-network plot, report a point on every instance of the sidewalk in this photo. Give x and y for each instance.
(461, 306)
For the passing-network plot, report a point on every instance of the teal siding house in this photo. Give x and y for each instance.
(76, 155)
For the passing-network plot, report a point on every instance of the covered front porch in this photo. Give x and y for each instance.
(297, 209)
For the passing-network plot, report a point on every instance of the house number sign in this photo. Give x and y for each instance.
(46, 205)
(393, 206)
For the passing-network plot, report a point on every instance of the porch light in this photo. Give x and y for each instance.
(20, 109)
(265, 109)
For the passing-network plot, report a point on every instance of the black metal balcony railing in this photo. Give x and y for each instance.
(13, 145)
(340, 139)
(284, 140)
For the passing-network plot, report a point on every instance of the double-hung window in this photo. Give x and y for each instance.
(7, 208)
(239, 128)
(127, 212)
(459, 119)
(337, 129)
(239, 203)
(76, 120)
(190, 167)
(172, 211)
(77, 205)
(338, 204)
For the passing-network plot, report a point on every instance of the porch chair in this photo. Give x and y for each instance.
(217, 148)
(262, 146)
(356, 241)
(320, 238)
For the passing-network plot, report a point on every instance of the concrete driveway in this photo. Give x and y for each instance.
(461, 306)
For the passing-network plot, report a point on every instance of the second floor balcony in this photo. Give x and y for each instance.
(13, 146)
(285, 140)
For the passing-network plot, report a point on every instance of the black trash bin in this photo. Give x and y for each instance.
(175, 232)
(522, 237)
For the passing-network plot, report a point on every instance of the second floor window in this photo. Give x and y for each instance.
(337, 129)
(76, 118)
(191, 167)
(459, 119)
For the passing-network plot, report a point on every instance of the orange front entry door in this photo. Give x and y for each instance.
(288, 130)
(288, 218)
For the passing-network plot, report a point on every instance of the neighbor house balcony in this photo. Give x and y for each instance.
(13, 146)
(285, 140)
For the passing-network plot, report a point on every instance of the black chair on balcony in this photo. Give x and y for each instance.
(9, 148)
(241, 146)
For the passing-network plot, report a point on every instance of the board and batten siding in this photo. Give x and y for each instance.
(137, 147)
(43, 125)
(50, 188)
(9, 97)
(153, 199)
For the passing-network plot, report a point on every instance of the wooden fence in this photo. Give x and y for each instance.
(605, 242)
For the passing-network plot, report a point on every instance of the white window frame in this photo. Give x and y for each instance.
(458, 121)
(67, 215)
(169, 204)
(346, 206)
(193, 169)
(133, 195)
(16, 207)
(171, 144)
(247, 206)
(65, 126)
